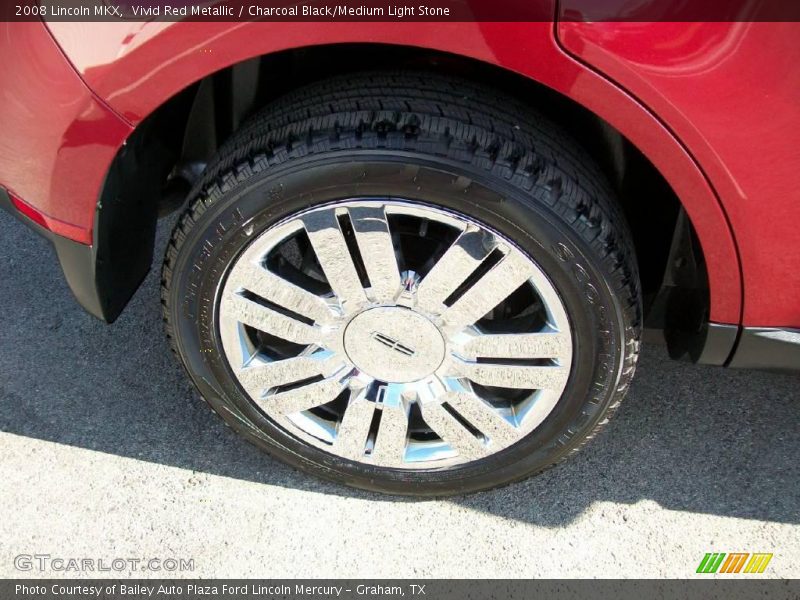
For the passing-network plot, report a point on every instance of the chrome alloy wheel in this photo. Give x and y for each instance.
(395, 334)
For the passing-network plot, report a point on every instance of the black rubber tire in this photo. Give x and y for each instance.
(441, 141)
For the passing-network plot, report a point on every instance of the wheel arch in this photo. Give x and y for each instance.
(620, 133)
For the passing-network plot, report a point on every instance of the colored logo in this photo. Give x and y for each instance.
(734, 562)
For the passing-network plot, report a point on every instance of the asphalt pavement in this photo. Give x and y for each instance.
(107, 453)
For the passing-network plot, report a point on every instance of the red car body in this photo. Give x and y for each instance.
(712, 105)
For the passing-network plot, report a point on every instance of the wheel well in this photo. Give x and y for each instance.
(193, 124)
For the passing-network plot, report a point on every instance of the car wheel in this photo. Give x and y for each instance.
(405, 283)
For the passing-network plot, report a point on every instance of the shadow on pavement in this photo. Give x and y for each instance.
(690, 438)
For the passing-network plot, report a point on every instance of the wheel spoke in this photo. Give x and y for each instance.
(392, 436)
(305, 397)
(334, 257)
(450, 271)
(351, 435)
(491, 289)
(484, 418)
(377, 251)
(551, 344)
(263, 376)
(452, 431)
(269, 321)
(278, 290)
(513, 376)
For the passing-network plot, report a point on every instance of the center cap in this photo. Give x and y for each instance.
(394, 344)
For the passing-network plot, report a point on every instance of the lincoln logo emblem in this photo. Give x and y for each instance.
(393, 344)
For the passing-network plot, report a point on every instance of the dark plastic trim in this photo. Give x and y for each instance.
(77, 262)
(769, 348)
(719, 342)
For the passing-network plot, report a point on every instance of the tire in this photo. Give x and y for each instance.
(458, 154)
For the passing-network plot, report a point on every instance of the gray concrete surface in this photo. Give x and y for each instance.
(105, 452)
